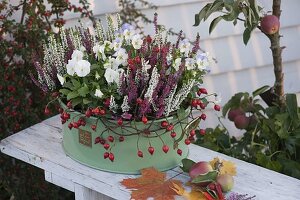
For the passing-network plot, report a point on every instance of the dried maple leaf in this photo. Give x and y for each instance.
(152, 183)
(225, 167)
(192, 195)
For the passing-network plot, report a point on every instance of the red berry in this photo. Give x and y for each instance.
(47, 111)
(170, 127)
(106, 155)
(97, 140)
(106, 146)
(66, 116)
(165, 148)
(139, 100)
(164, 124)
(202, 105)
(120, 122)
(55, 94)
(70, 126)
(191, 138)
(194, 103)
(203, 116)
(63, 121)
(88, 113)
(76, 125)
(179, 152)
(102, 112)
(130, 61)
(151, 150)
(173, 134)
(192, 133)
(202, 90)
(121, 138)
(144, 120)
(110, 138)
(69, 104)
(202, 132)
(93, 127)
(82, 122)
(140, 154)
(198, 101)
(217, 107)
(111, 157)
(96, 111)
(187, 141)
(102, 141)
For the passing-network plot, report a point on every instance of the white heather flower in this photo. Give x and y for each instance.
(177, 63)
(71, 67)
(111, 75)
(98, 93)
(121, 57)
(125, 107)
(185, 46)
(97, 76)
(145, 64)
(117, 44)
(190, 63)
(82, 68)
(77, 55)
(61, 79)
(82, 49)
(137, 41)
(169, 58)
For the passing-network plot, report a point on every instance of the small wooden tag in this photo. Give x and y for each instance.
(85, 137)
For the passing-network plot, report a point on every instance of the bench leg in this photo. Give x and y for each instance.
(83, 193)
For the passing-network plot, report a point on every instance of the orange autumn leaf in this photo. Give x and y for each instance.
(151, 183)
(192, 195)
(225, 167)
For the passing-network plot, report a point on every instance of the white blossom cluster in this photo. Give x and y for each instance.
(112, 104)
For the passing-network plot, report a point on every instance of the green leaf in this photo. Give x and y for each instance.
(83, 91)
(246, 35)
(76, 101)
(208, 177)
(201, 14)
(214, 23)
(76, 84)
(64, 91)
(187, 164)
(216, 6)
(260, 90)
(292, 107)
(190, 126)
(254, 8)
(72, 95)
(86, 101)
(181, 114)
(234, 102)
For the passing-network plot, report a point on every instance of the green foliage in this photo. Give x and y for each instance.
(230, 10)
(271, 139)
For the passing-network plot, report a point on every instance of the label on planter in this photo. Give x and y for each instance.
(85, 137)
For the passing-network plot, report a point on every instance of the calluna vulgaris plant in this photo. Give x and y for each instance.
(120, 75)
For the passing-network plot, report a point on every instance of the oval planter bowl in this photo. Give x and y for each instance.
(80, 145)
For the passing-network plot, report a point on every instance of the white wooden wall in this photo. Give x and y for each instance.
(239, 67)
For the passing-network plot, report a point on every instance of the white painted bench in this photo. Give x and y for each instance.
(40, 145)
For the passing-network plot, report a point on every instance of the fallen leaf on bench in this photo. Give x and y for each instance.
(152, 183)
(192, 195)
(226, 167)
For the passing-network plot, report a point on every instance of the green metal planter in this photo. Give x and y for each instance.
(79, 145)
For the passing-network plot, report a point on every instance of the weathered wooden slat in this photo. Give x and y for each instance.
(40, 145)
